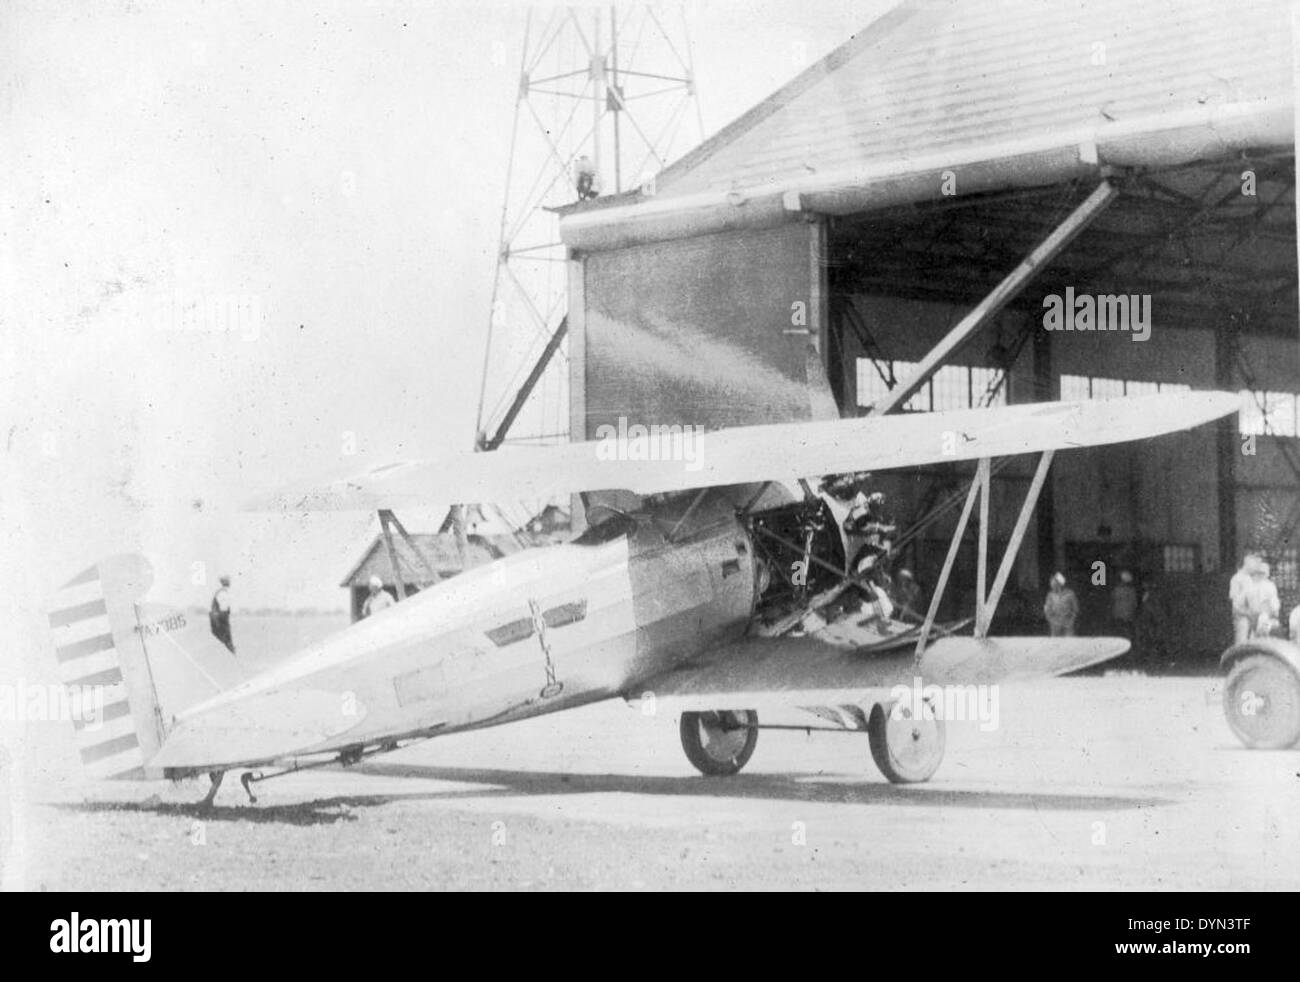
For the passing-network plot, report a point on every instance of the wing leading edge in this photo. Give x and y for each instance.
(649, 460)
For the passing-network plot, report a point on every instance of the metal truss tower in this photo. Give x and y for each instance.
(606, 98)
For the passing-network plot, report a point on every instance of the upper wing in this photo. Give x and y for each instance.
(647, 461)
(782, 673)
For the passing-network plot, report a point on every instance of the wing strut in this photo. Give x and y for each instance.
(986, 604)
(387, 522)
(1011, 285)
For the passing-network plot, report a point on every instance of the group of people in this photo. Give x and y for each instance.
(1061, 607)
(219, 609)
(1256, 606)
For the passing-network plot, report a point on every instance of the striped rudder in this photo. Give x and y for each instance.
(148, 661)
(90, 665)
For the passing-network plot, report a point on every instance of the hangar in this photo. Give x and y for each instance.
(895, 224)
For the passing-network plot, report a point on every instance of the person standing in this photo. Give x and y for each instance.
(1061, 608)
(1295, 624)
(219, 614)
(1124, 605)
(585, 179)
(1238, 591)
(1263, 602)
(379, 599)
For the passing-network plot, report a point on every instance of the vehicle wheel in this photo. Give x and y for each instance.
(719, 743)
(905, 746)
(1261, 699)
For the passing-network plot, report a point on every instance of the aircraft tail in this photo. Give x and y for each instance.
(128, 665)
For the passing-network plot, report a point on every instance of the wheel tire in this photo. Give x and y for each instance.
(907, 750)
(1261, 699)
(719, 743)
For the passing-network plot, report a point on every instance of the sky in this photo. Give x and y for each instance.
(250, 242)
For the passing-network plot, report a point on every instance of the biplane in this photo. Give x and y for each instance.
(716, 587)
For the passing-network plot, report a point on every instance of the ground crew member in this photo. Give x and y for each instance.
(910, 599)
(219, 614)
(379, 599)
(1124, 605)
(1061, 608)
(1262, 602)
(1295, 624)
(1238, 588)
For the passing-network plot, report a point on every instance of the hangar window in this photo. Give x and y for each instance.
(951, 387)
(872, 387)
(1286, 571)
(988, 387)
(1181, 559)
(1077, 387)
(1107, 388)
(1271, 413)
(1074, 388)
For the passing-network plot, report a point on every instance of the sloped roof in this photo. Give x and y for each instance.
(933, 77)
(440, 550)
(1018, 93)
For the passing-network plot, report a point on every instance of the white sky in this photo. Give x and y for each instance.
(344, 165)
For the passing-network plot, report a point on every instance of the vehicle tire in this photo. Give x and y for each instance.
(907, 748)
(719, 743)
(1261, 699)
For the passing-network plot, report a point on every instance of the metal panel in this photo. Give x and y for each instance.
(699, 332)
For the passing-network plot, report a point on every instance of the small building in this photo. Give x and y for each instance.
(439, 549)
(487, 538)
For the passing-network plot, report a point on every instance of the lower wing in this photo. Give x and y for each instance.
(805, 673)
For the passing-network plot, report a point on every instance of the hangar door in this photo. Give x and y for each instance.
(716, 330)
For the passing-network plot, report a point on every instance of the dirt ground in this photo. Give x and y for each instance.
(1118, 782)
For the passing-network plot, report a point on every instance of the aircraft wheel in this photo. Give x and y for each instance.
(1261, 699)
(907, 748)
(719, 743)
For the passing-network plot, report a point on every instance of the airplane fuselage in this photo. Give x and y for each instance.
(543, 630)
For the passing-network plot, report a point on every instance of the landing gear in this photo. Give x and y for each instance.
(907, 746)
(1261, 699)
(719, 743)
(216, 778)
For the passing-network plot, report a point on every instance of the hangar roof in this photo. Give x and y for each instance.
(934, 78)
(1015, 94)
